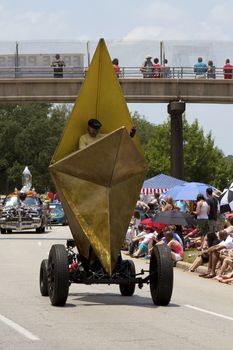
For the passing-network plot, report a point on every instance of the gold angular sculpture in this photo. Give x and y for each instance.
(99, 185)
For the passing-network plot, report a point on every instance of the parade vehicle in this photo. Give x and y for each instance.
(22, 210)
(98, 187)
(56, 214)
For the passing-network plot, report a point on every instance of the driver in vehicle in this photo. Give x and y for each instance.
(93, 133)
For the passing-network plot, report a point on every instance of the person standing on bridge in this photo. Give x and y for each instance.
(227, 69)
(58, 65)
(211, 70)
(116, 67)
(200, 68)
(157, 68)
(147, 68)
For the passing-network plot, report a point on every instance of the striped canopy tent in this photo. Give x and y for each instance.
(159, 184)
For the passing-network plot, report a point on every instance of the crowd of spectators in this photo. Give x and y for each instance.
(152, 68)
(211, 237)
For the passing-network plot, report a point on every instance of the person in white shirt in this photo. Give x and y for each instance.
(202, 211)
(146, 241)
(226, 242)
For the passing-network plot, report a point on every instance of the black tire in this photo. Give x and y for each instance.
(161, 275)
(9, 230)
(44, 278)
(127, 290)
(3, 230)
(58, 275)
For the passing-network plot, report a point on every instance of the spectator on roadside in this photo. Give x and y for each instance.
(147, 68)
(211, 70)
(175, 235)
(202, 211)
(135, 240)
(58, 65)
(146, 242)
(156, 202)
(227, 265)
(200, 68)
(169, 204)
(176, 248)
(115, 63)
(202, 258)
(142, 207)
(212, 216)
(226, 242)
(157, 68)
(227, 69)
(182, 205)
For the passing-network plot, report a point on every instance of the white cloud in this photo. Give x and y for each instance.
(29, 25)
(144, 33)
(161, 11)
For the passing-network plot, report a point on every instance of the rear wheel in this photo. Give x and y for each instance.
(3, 230)
(44, 278)
(9, 230)
(58, 275)
(161, 275)
(127, 289)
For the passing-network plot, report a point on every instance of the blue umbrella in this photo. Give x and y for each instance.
(187, 191)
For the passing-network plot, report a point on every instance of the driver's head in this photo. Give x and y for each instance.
(94, 126)
(22, 196)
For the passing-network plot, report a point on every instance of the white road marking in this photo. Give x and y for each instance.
(18, 328)
(210, 312)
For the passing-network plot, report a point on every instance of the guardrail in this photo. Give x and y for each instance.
(126, 72)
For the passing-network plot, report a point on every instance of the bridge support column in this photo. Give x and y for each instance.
(176, 109)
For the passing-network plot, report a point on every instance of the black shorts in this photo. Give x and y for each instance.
(212, 239)
(205, 258)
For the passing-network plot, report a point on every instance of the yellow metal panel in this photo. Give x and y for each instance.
(101, 198)
(99, 184)
(101, 98)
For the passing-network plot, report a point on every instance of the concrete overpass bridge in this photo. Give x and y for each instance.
(135, 90)
(174, 91)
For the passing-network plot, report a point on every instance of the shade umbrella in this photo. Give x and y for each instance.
(174, 217)
(152, 224)
(226, 200)
(187, 191)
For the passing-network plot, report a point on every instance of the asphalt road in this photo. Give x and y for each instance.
(200, 315)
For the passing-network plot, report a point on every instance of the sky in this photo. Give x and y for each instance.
(128, 20)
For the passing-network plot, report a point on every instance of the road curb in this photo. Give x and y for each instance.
(185, 266)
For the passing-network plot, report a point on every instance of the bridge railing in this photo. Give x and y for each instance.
(126, 72)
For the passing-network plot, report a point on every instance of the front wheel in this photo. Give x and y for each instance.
(127, 289)
(58, 275)
(161, 275)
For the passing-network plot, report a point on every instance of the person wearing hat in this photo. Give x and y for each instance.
(93, 133)
(147, 68)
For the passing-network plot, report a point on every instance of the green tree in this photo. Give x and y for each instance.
(29, 134)
(203, 161)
